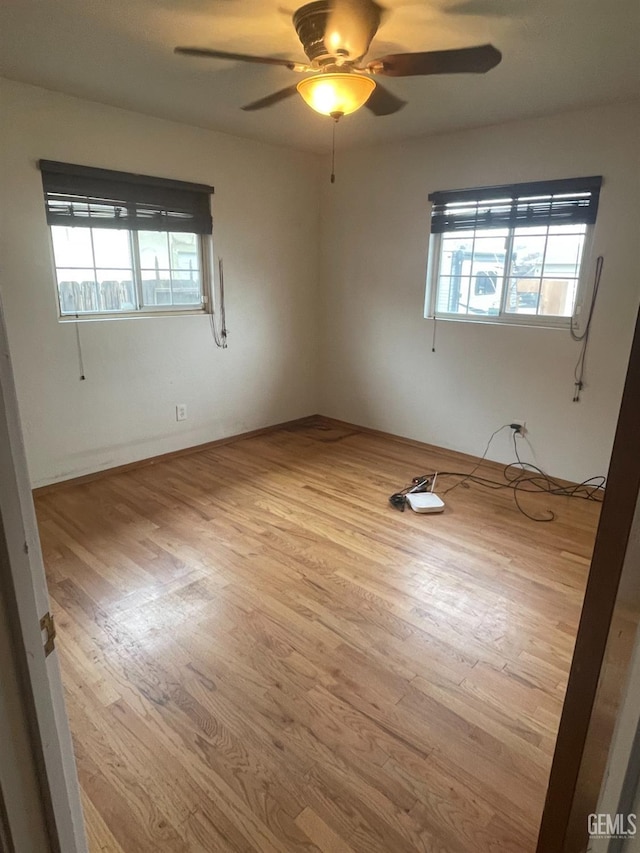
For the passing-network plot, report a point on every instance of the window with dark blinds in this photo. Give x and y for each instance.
(564, 202)
(101, 198)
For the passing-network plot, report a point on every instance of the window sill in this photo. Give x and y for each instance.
(562, 323)
(131, 315)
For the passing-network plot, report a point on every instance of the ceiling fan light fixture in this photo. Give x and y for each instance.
(336, 94)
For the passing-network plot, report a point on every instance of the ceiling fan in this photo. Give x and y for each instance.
(336, 35)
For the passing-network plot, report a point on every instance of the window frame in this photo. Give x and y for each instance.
(97, 200)
(205, 256)
(511, 219)
(504, 318)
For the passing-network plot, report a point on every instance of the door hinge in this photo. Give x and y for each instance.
(47, 624)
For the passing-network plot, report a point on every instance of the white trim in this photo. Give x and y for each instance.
(27, 580)
(496, 320)
(134, 248)
(206, 287)
(508, 260)
(434, 256)
(583, 292)
(134, 315)
(206, 265)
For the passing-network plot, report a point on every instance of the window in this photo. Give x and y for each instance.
(127, 245)
(511, 254)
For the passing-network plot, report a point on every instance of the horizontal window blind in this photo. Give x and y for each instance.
(564, 202)
(101, 198)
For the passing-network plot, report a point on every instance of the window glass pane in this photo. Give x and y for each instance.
(487, 270)
(69, 289)
(523, 295)
(111, 248)
(488, 256)
(489, 252)
(184, 253)
(486, 293)
(78, 295)
(72, 246)
(186, 288)
(116, 291)
(128, 297)
(170, 288)
(90, 293)
(154, 250)
(557, 297)
(455, 253)
(156, 288)
(527, 254)
(563, 256)
(453, 293)
(485, 283)
(477, 295)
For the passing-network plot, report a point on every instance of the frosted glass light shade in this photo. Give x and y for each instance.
(336, 94)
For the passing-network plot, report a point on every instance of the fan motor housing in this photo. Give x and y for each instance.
(310, 22)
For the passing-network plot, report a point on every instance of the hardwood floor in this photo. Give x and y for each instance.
(260, 654)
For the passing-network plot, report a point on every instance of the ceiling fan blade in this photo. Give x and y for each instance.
(350, 27)
(382, 102)
(488, 8)
(241, 57)
(270, 100)
(466, 60)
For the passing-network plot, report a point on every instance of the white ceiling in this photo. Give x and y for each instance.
(557, 54)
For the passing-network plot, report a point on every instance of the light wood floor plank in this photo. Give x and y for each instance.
(261, 656)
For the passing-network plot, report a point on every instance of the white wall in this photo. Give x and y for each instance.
(357, 347)
(265, 211)
(378, 368)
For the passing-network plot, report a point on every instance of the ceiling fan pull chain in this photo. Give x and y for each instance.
(333, 152)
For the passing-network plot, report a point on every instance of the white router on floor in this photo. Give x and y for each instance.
(425, 502)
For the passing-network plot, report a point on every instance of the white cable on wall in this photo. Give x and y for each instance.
(218, 310)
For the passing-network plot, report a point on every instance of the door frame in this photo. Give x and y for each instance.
(25, 593)
(612, 537)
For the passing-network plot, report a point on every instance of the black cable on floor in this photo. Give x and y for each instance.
(519, 477)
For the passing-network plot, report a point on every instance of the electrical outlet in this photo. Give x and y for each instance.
(181, 412)
(523, 425)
